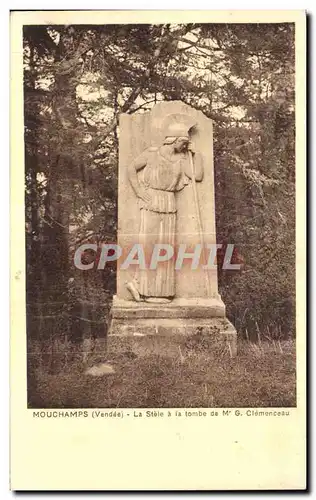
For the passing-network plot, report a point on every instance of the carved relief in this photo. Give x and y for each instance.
(156, 175)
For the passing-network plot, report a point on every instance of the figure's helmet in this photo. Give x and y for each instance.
(177, 130)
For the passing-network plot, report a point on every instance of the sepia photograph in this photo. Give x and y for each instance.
(160, 215)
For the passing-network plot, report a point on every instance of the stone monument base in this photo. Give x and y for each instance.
(182, 317)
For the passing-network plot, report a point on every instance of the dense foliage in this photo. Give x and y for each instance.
(77, 79)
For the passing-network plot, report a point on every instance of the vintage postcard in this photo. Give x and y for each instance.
(158, 309)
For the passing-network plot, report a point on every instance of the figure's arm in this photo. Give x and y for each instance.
(198, 166)
(138, 164)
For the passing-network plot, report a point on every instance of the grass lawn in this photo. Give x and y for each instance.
(155, 373)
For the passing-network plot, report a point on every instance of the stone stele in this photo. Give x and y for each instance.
(179, 210)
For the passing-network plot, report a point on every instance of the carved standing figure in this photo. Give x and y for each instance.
(155, 176)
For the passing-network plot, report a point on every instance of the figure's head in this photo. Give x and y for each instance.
(177, 134)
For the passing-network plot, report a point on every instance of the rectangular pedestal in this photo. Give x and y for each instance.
(179, 318)
(177, 308)
(219, 329)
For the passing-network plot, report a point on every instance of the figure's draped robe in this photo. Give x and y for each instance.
(161, 178)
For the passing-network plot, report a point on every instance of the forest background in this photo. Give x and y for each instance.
(77, 80)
